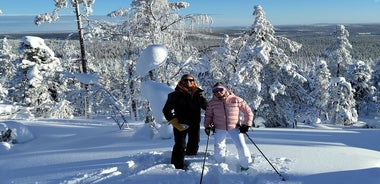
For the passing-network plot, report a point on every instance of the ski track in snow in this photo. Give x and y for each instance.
(141, 167)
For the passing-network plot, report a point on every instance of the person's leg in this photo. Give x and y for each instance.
(220, 145)
(241, 147)
(193, 140)
(178, 153)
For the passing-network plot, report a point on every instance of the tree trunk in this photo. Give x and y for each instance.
(87, 108)
(132, 93)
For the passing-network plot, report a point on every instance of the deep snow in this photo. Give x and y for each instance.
(96, 151)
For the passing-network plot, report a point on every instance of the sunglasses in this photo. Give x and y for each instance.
(188, 80)
(217, 90)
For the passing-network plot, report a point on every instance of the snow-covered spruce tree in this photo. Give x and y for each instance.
(6, 67)
(341, 104)
(155, 22)
(265, 77)
(338, 55)
(319, 84)
(359, 75)
(37, 84)
(6, 56)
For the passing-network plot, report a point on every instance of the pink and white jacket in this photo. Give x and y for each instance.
(224, 113)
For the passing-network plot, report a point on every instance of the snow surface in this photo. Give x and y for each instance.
(96, 151)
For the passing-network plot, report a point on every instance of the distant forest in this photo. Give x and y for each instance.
(364, 38)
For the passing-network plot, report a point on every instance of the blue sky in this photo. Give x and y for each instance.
(237, 12)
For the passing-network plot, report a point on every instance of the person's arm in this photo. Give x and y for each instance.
(169, 113)
(209, 117)
(248, 114)
(203, 100)
(168, 109)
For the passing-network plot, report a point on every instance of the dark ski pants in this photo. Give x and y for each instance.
(180, 148)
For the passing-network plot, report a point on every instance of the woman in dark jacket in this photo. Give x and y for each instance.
(183, 110)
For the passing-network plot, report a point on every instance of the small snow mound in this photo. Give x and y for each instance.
(20, 133)
(4, 147)
(150, 58)
(130, 163)
(224, 168)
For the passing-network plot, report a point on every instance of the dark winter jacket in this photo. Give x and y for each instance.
(185, 107)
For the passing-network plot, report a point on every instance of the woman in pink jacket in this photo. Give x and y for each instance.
(222, 114)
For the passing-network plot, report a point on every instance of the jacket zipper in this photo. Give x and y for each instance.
(225, 115)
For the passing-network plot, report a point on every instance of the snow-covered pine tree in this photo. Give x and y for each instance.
(319, 89)
(38, 83)
(359, 75)
(341, 104)
(265, 77)
(6, 56)
(338, 55)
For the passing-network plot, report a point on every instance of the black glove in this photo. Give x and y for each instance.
(209, 129)
(244, 129)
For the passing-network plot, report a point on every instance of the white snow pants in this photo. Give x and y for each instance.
(239, 141)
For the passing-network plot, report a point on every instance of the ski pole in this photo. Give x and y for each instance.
(282, 177)
(204, 159)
